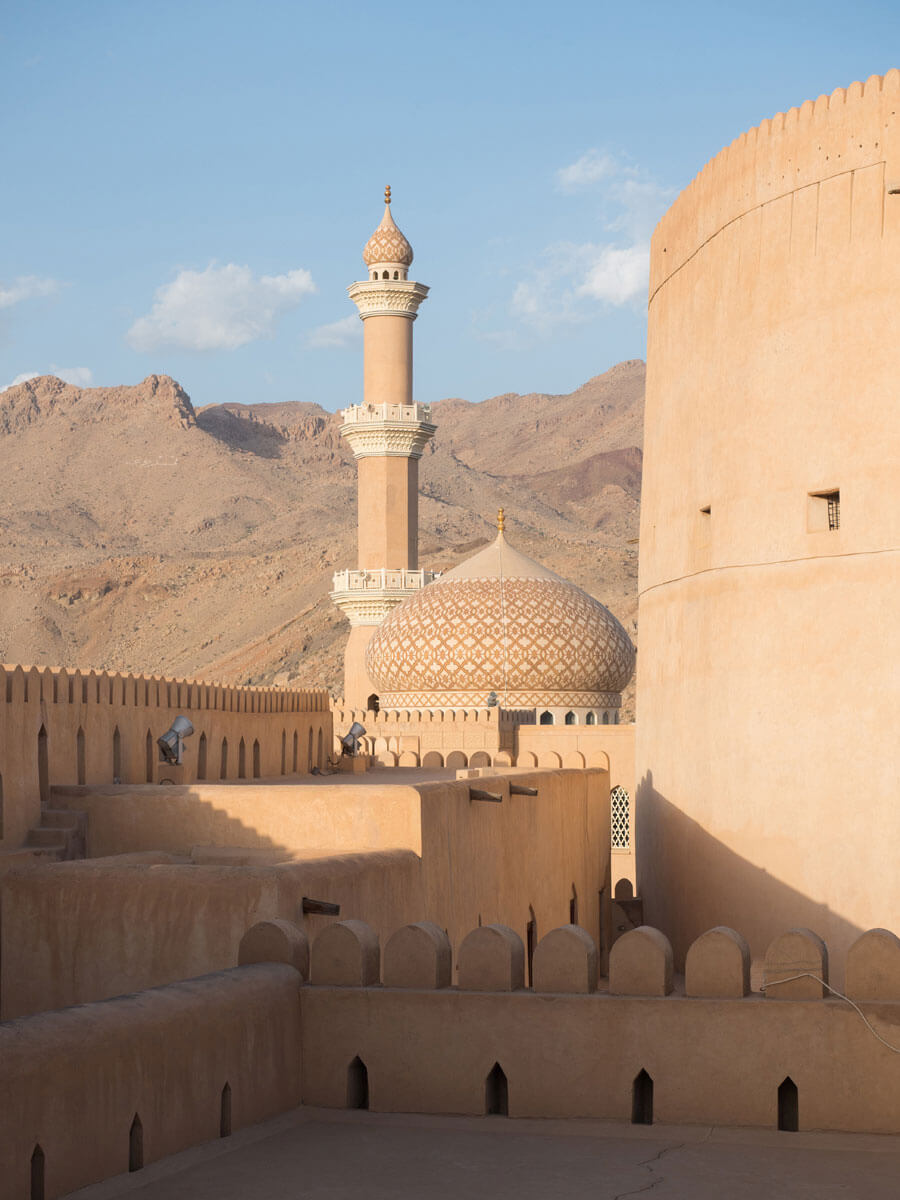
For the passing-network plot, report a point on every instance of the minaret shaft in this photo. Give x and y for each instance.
(388, 358)
(388, 500)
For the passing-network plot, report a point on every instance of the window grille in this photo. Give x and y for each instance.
(620, 818)
(834, 510)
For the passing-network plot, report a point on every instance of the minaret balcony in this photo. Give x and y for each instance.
(366, 597)
(387, 430)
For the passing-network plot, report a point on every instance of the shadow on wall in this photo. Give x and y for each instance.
(700, 883)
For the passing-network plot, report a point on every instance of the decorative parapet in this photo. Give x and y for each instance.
(388, 430)
(387, 298)
(366, 597)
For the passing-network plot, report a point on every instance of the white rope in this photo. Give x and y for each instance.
(840, 996)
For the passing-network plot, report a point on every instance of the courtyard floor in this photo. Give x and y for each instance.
(317, 1153)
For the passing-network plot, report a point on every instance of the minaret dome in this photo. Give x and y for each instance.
(387, 253)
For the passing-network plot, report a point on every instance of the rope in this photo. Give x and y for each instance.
(840, 996)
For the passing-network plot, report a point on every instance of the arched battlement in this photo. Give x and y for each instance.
(853, 128)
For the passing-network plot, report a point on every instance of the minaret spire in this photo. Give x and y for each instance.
(387, 433)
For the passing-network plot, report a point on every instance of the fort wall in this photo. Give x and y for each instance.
(431, 852)
(107, 1088)
(647, 1048)
(71, 727)
(770, 532)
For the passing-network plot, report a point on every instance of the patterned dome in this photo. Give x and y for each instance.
(387, 244)
(500, 623)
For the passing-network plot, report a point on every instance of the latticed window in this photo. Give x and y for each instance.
(834, 510)
(620, 818)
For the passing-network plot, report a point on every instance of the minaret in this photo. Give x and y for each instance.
(387, 434)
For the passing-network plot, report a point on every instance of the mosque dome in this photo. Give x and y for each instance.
(500, 623)
(387, 244)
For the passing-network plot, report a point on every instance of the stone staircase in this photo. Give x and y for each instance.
(59, 837)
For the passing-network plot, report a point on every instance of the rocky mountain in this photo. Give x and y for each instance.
(138, 533)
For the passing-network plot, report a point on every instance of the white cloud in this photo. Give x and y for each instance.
(588, 169)
(337, 335)
(611, 269)
(27, 287)
(79, 376)
(220, 308)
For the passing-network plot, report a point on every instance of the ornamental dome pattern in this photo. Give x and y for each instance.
(387, 244)
(500, 623)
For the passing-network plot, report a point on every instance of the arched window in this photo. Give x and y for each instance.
(496, 1092)
(620, 818)
(284, 752)
(37, 1173)
(225, 1112)
(223, 762)
(591, 719)
(546, 718)
(242, 760)
(396, 274)
(642, 1099)
(788, 1106)
(43, 766)
(256, 767)
(296, 758)
(148, 755)
(357, 1084)
(136, 1145)
(606, 718)
(201, 757)
(80, 764)
(117, 756)
(372, 703)
(385, 275)
(571, 719)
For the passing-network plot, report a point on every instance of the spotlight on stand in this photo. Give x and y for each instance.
(171, 744)
(350, 741)
(492, 700)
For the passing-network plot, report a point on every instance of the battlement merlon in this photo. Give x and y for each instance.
(387, 430)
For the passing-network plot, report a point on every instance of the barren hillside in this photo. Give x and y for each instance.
(140, 534)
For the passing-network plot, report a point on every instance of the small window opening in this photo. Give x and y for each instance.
(223, 761)
(573, 907)
(43, 766)
(530, 943)
(296, 755)
(546, 718)
(396, 274)
(201, 757)
(309, 761)
(284, 752)
(606, 718)
(823, 511)
(642, 1099)
(225, 1112)
(496, 1092)
(571, 719)
(256, 767)
(80, 764)
(136, 1145)
(788, 1106)
(385, 275)
(357, 1084)
(242, 760)
(372, 703)
(148, 756)
(591, 719)
(320, 751)
(117, 756)
(37, 1173)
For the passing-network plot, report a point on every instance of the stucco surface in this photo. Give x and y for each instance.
(768, 682)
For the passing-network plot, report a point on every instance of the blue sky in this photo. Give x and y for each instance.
(188, 186)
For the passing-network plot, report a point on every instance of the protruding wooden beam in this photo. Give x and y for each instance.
(322, 908)
(478, 794)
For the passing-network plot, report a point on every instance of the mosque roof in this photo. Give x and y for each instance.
(387, 244)
(500, 622)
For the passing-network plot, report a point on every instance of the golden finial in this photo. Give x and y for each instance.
(387, 194)
(501, 520)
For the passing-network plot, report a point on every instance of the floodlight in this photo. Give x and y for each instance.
(492, 700)
(171, 744)
(350, 740)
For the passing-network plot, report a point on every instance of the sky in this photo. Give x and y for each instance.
(188, 184)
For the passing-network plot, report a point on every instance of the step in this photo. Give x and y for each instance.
(61, 818)
(46, 838)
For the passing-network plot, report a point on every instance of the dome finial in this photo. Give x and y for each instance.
(387, 194)
(501, 520)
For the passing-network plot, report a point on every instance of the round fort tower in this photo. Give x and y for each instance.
(387, 433)
(769, 672)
